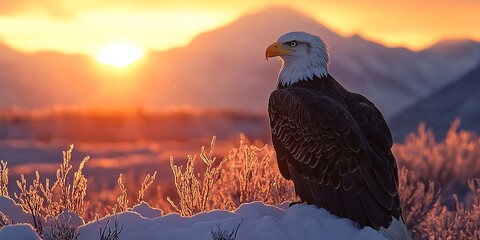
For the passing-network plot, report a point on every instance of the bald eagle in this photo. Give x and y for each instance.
(333, 144)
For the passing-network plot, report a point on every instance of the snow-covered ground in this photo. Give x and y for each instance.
(257, 221)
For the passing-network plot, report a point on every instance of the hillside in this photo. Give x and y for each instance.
(460, 98)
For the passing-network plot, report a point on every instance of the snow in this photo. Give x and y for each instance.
(20, 231)
(14, 211)
(71, 217)
(145, 210)
(260, 221)
(257, 221)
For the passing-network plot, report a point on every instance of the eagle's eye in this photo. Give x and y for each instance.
(293, 43)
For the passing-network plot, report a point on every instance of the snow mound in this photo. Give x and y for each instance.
(258, 221)
(66, 216)
(146, 211)
(21, 231)
(14, 211)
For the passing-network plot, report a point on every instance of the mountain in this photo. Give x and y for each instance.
(51, 79)
(226, 68)
(44, 79)
(458, 99)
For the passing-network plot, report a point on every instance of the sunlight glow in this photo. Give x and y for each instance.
(119, 55)
(62, 27)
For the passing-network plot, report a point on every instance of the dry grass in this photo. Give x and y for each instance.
(251, 174)
(4, 220)
(458, 223)
(431, 172)
(122, 200)
(62, 229)
(147, 181)
(31, 201)
(44, 200)
(450, 163)
(247, 174)
(441, 193)
(418, 201)
(3, 179)
(108, 232)
(195, 191)
(220, 234)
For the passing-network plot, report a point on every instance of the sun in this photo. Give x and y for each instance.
(119, 55)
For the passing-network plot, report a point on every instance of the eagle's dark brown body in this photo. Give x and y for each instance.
(336, 147)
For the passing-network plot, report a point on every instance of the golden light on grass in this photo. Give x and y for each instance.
(119, 55)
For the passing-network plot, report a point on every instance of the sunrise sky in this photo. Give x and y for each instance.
(88, 26)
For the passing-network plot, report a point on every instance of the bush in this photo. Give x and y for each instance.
(431, 172)
(249, 173)
(449, 163)
(440, 192)
(220, 234)
(3, 179)
(196, 193)
(108, 232)
(62, 229)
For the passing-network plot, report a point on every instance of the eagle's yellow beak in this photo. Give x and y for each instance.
(276, 49)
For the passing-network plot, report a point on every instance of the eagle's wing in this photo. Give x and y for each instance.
(376, 131)
(322, 148)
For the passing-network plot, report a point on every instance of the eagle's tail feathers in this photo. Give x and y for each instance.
(396, 231)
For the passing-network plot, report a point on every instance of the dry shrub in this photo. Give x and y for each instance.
(64, 195)
(62, 229)
(427, 218)
(4, 220)
(119, 199)
(449, 163)
(459, 223)
(44, 200)
(157, 199)
(221, 234)
(195, 191)
(3, 179)
(247, 174)
(72, 196)
(30, 200)
(251, 174)
(108, 232)
(418, 201)
(147, 181)
(122, 200)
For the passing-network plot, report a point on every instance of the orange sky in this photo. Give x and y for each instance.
(88, 26)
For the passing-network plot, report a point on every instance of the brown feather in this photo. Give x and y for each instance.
(336, 148)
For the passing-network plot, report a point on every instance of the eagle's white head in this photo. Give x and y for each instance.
(303, 56)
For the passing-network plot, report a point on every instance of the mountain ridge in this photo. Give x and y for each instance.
(360, 65)
(438, 110)
(226, 68)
